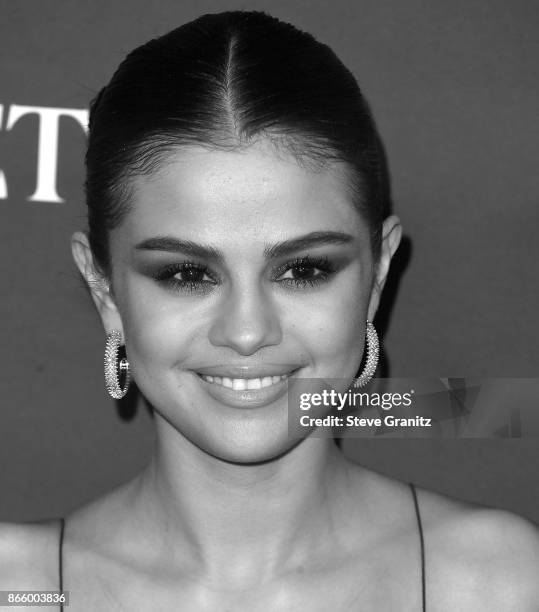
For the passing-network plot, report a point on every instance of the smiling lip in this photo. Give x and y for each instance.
(248, 371)
(246, 386)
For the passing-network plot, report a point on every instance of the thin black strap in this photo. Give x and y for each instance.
(420, 527)
(60, 569)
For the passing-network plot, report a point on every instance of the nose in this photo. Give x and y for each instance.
(246, 320)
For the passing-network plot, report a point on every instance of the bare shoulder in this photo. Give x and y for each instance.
(478, 558)
(29, 555)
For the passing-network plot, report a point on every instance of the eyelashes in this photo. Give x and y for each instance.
(300, 273)
(305, 271)
(194, 277)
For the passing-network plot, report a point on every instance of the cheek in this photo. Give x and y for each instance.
(332, 327)
(157, 331)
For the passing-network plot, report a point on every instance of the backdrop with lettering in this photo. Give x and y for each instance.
(454, 89)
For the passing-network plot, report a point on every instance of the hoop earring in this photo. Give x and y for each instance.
(114, 341)
(373, 350)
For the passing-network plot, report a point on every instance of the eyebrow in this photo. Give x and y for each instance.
(171, 244)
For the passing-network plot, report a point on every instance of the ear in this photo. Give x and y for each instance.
(98, 284)
(391, 237)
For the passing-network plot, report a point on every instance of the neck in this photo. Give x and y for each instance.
(242, 522)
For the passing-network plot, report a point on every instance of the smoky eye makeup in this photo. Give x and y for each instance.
(188, 276)
(302, 271)
(299, 273)
(305, 271)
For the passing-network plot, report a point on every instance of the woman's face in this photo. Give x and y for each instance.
(231, 272)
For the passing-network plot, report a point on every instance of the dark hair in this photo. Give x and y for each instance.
(222, 81)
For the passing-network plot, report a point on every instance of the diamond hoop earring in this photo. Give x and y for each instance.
(114, 341)
(373, 350)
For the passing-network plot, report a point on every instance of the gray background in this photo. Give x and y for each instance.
(453, 86)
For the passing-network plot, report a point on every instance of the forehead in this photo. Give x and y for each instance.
(255, 192)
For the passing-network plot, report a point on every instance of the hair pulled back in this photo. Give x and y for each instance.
(223, 81)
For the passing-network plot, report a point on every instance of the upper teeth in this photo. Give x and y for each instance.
(241, 384)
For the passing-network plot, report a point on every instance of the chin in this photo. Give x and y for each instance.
(248, 445)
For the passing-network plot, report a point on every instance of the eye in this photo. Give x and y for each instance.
(189, 273)
(187, 276)
(302, 272)
(305, 271)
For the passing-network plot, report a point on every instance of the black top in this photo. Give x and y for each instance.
(421, 543)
